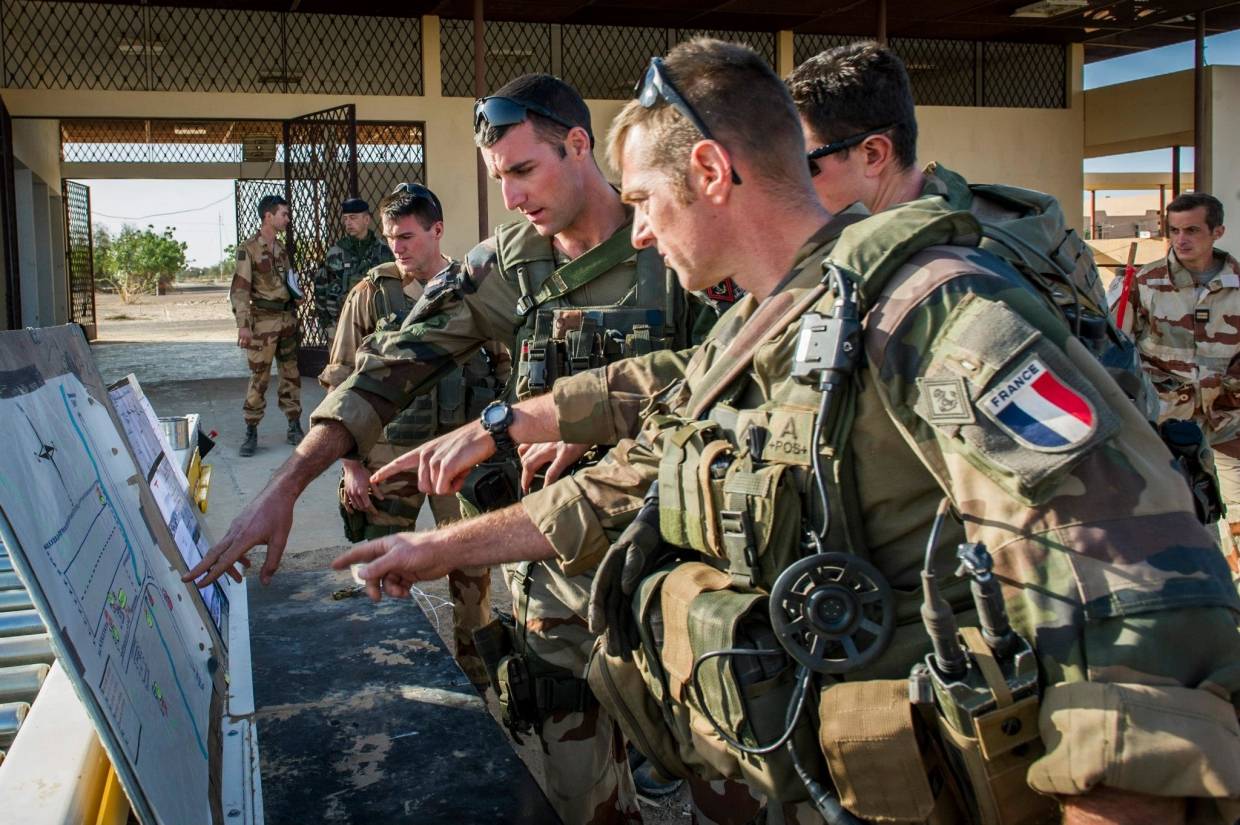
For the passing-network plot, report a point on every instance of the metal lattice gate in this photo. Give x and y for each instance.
(320, 170)
(10, 298)
(249, 193)
(80, 256)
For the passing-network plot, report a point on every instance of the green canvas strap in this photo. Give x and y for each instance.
(578, 272)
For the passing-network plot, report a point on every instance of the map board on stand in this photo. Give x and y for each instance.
(89, 541)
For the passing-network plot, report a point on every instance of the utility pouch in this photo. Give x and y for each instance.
(451, 390)
(874, 743)
(1195, 461)
(415, 423)
(539, 367)
(492, 485)
(991, 751)
(688, 510)
(514, 688)
(354, 521)
(494, 641)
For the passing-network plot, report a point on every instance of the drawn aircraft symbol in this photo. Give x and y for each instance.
(47, 452)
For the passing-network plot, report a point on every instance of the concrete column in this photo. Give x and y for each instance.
(432, 76)
(1222, 173)
(785, 53)
(60, 268)
(41, 203)
(27, 245)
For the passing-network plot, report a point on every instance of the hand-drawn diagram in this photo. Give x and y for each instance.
(69, 491)
(168, 485)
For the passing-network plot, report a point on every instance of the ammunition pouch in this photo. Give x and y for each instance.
(415, 423)
(745, 512)
(570, 340)
(492, 485)
(528, 689)
(272, 306)
(354, 521)
(1195, 461)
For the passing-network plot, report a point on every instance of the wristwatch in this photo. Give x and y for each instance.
(496, 418)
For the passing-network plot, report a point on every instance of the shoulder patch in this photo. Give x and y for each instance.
(1038, 410)
(241, 253)
(947, 400)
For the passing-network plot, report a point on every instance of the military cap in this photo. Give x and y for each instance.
(354, 206)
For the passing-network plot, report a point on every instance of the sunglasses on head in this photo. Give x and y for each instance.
(655, 85)
(839, 146)
(507, 111)
(419, 192)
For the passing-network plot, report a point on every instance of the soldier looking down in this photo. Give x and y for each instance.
(347, 262)
(266, 321)
(974, 399)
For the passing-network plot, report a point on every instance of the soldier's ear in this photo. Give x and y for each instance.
(1218, 231)
(577, 142)
(437, 230)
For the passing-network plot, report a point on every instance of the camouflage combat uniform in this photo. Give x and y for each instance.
(587, 772)
(379, 301)
(346, 263)
(261, 301)
(1105, 568)
(1189, 338)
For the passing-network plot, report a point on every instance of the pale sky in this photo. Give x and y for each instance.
(205, 218)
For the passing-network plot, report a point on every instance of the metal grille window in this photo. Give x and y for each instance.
(761, 42)
(513, 49)
(805, 46)
(942, 72)
(161, 141)
(249, 193)
(73, 46)
(1030, 75)
(156, 48)
(79, 250)
(215, 50)
(340, 54)
(605, 62)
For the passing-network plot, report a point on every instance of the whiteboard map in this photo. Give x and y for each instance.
(69, 491)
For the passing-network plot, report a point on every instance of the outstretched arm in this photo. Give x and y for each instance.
(269, 517)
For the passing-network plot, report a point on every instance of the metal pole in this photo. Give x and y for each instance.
(1199, 104)
(480, 90)
(1093, 213)
(1162, 210)
(352, 109)
(881, 36)
(1175, 172)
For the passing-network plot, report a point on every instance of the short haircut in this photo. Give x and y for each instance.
(400, 204)
(852, 89)
(551, 93)
(1192, 200)
(741, 101)
(268, 204)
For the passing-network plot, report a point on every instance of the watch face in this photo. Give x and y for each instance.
(494, 416)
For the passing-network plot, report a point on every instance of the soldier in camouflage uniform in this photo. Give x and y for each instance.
(267, 322)
(1104, 566)
(347, 262)
(570, 292)
(413, 226)
(1183, 312)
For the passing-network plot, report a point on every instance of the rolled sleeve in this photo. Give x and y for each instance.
(564, 515)
(350, 409)
(605, 405)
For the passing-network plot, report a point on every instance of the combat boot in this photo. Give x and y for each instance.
(251, 441)
(295, 432)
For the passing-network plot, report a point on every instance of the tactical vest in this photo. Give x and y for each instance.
(610, 303)
(458, 397)
(721, 495)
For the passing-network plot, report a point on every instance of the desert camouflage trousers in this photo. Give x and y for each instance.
(274, 338)
(469, 588)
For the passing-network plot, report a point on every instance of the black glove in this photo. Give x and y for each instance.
(626, 563)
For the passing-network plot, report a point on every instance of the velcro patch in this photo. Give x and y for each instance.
(1202, 315)
(240, 253)
(946, 400)
(1039, 410)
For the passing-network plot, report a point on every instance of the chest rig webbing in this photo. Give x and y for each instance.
(458, 397)
(608, 304)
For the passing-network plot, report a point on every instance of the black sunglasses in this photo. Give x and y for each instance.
(419, 192)
(507, 111)
(656, 85)
(839, 146)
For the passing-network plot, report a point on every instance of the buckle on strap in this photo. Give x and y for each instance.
(524, 304)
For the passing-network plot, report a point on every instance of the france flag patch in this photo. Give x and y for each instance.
(1039, 410)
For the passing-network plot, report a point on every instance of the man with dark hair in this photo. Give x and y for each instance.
(412, 219)
(347, 262)
(266, 321)
(567, 290)
(1120, 599)
(1182, 310)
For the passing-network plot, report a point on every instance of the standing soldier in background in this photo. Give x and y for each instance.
(347, 262)
(266, 321)
(413, 226)
(1182, 311)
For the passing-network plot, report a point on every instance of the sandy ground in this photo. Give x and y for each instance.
(182, 347)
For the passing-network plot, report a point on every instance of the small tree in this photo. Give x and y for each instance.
(142, 260)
